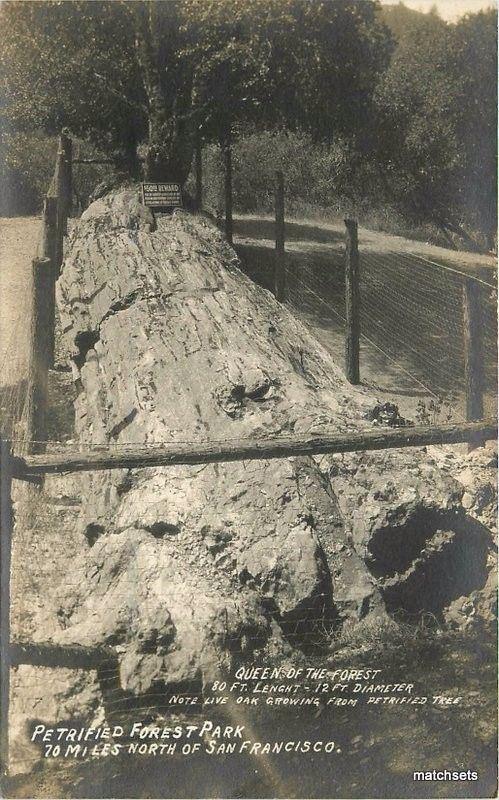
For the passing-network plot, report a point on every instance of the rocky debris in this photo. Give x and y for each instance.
(356, 595)
(408, 521)
(476, 472)
(196, 566)
(167, 620)
(387, 415)
(479, 608)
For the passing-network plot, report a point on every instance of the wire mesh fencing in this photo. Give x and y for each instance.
(13, 382)
(412, 320)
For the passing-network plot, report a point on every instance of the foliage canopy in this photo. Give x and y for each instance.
(437, 105)
(409, 99)
(163, 72)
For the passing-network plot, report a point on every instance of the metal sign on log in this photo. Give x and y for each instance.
(162, 196)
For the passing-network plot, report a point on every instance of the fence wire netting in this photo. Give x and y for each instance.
(13, 384)
(411, 319)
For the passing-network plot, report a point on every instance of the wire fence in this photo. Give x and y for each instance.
(411, 324)
(411, 306)
(411, 314)
(13, 387)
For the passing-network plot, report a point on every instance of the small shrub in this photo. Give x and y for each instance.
(321, 182)
(27, 162)
(388, 640)
(435, 410)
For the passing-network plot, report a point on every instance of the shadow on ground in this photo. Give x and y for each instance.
(256, 228)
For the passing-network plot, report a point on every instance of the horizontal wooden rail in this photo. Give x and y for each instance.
(93, 161)
(98, 160)
(170, 455)
(70, 656)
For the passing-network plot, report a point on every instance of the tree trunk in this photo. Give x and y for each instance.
(171, 141)
(172, 342)
(126, 157)
(170, 148)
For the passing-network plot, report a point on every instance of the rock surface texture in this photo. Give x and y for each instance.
(411, 523)
(187, 567)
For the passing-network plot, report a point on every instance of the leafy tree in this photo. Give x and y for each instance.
(418, 146)
(309, 66)
(335, 58)
(67, 64)
(165, 72)
(26, 167)
(475, 46)
(434, 149)
(400, 19)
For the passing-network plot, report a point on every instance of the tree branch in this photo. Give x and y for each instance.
(138, 106)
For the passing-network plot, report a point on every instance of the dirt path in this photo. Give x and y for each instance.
(18, 243)
(411, 312)
(318, 234)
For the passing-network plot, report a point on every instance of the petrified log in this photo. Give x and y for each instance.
(426, 541)
(189, 566)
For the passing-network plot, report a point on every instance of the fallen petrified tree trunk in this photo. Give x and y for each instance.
(171, 342)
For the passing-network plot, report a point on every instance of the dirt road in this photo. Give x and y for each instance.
(18, 243)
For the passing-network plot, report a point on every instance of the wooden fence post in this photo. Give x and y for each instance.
(62, 188)
(66, 175)
(198, 169)
(280, 262)
(6, 517)
(473, 352)
(352, 303)
(48, 245)
(39, 353)
(48, 249)
(60, 226)
(29, 467)
(227, 154)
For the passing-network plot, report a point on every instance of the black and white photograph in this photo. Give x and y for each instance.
(248, 399)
